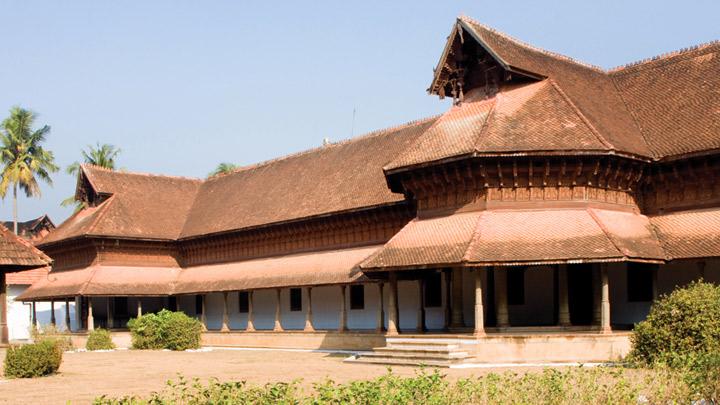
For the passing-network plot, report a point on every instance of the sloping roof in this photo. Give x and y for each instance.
(520, 236)
(535, 117)
(676, 99)
(141, 206)
(28, 228)
(334, 178)
(304, 269)
(16, 253)
(27, 277)
(689, 234)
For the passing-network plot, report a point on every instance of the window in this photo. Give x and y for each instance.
(295, 299)
(433, 291)
(515, 285)
(198, 304)
(357, 297)
(243, 302)
(640, 282)
(120, 307)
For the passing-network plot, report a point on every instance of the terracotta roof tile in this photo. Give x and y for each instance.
(16, 253)
(507, 237)
(27, 277)
(689, 234)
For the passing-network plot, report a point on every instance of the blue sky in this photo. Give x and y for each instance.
(180, 86)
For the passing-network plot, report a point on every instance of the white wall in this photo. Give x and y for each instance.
(19, 314)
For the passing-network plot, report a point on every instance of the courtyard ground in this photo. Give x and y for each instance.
(86, 375)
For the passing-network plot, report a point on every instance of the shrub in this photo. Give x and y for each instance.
(165, 330)
(99, 339)
(683, 323)
(52, 333)
(33, 360)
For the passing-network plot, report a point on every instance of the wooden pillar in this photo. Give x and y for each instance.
(457, 320)
(597, 293)
(420, 326)
(225, 317)
(34, 315)
(52, 313)
(308, 312)
(655, 293)
(110, 309)
(278, 324)
(393, 320)
(67, 314)
(479, 310)
(701, 269)
(4, 334)
(605, 300)
(90, 318)
(563, 303)
(251, 316)
(78, 312)
(203, 313)
(448, 299)
(380, 326)
(501, 306)
(342, 324)
(139, 307)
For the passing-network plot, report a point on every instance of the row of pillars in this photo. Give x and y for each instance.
(277, 327)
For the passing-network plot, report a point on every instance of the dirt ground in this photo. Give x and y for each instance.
(86, 375)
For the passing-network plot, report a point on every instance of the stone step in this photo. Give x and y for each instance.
(418, 355)
(436, 348)
(406, 362)
(418, 349)
(419, 341)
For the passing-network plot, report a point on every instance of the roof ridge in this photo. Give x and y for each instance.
(668, 57)
(580, 115)
(531, 47)
(145, 174)
(346, 141)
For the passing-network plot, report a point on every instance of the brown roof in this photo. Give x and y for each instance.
(689, 234)
(334, 178)
(521, 118)
(676, 99)
(27, 277)
(304, 269)
(16, 253)
(521, 236)
(29, 228)
(141, 206)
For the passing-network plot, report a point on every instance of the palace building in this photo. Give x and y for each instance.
(535, 220)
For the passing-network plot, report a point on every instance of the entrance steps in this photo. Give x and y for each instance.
(432, 352)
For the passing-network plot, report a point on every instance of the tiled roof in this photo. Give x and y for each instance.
(305, 269)
(676, 100)
(16, 253)
(27, 277)
(519, 119)
(520, 236)
(28, 228)
(689, 234)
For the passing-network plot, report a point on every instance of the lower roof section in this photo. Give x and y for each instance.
(521, 236)
(306, 269)
(689, 234)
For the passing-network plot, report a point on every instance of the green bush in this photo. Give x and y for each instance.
(684, 323)
(165, 330)
(599, 385)
(33, 360)
(99, 339)
(52, 333)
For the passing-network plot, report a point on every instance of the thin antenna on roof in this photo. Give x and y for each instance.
(352, 128)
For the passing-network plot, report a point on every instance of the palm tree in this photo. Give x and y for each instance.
(23, 157)
(99, 155)
(224, 168)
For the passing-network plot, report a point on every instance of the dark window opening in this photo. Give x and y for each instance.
(172, 303)
(243, 302)
(120, 307)
(198, 304)
(516, 286)
(357, 296)
(295, 299)
(433, 290)
(640, 282)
